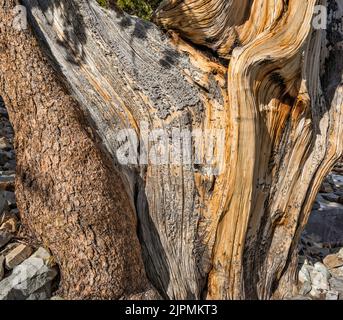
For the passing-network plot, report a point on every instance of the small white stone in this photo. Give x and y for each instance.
(304, 273)
(332, 295)
(320, 267)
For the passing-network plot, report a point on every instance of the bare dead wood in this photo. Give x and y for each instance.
(278, 100)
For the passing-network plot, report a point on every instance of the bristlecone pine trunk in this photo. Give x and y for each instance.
(258, 70)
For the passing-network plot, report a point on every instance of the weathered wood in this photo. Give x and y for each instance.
(225, 235)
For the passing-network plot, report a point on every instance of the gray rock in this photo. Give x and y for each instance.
(331, 197)
(332, 295)
(326, 187)
(10, 165)
(319, 280)
(299, 297)
(29, 280)
(306, 288)
(43, 293)
(5, 237)
(336, 284)
(320, 267)
(10, 197)
(316, 205)
(305, 273)
(3, 157)
(326, 226)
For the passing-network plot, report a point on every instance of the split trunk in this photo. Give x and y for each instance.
(255, 83)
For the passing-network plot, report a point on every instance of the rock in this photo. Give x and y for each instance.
(7, 182)
(326, 188)
(305, 273)
(336, 284)
(327, 227)
(56, 298)
(10, 225)
(320, 267)
(5, 237)
(320, 280)
(331, 197)
(299, 297)
(2, 268)
(29, 280)
(306, 288)
(3, 158)
(337, 272)
(316, 205)
(10, 197)
(332, 295)
(15, 211)
(340, 200)
(10, 165)
(41, 294)
(333, 261)
(17, 256)
(3, 111)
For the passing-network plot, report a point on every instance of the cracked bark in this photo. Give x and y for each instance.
(81, 73)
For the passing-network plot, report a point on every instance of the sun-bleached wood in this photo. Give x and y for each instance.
(268, 79)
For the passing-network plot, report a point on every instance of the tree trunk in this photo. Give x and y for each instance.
(220, 219)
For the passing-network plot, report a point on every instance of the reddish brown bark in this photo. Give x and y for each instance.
(69, 194)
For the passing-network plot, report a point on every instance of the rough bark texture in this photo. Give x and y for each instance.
(269, 80)
(68, 192)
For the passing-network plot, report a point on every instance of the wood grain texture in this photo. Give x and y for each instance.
(267, 79)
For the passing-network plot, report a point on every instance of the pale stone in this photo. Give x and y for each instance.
(332, 295)
(29, 280)
(333, 261)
